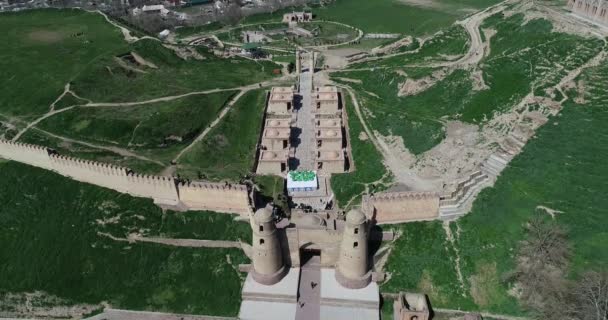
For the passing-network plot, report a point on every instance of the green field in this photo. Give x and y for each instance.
(562, 169)
(107, 81)
(522, 58)
(49, 241)
(369, 170)
(393, 16)
(159, 129)
(228, 151)
(46, 49)
(43, 50)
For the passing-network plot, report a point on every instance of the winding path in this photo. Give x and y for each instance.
(211, 125)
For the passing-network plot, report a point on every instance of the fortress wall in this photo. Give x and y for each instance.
(34, 155)
(398, 207)
(101, 174)
(164, 190)
(215, 197)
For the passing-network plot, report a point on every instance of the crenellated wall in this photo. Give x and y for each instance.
(166, 191)
(398, 207)
(27, 153)
(215, 196)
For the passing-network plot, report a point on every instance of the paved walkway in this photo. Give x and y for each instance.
(309, 291)
(118, 314)
(304, 125)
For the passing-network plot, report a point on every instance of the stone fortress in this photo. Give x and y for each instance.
(312, 265)
(318, 265)
(594, 10)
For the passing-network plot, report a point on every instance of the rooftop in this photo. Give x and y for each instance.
(274, 156)
(328, 123)
(330, 155)
(287, 97)
(277, 133)
(329, 134)
(277, 123)
(326, 96)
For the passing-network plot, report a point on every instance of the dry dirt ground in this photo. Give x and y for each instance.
(40, 305)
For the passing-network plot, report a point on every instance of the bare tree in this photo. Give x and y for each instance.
(233, 14)
(591, 296)
(543, 260)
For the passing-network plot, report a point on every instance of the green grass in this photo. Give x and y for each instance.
(68, 100)
(43, 50)
(523, 57)
(326, 33)
(229, 149)
(453, 41)
(85, 152)
(561, 168)
(430, 270)
(106, 81)
(49, 242)
(160, 129)
(367, 161)
(410, 117)
(391, 16)
(189, 31)
(272, 188)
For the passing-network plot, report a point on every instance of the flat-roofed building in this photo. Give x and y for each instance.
(329, 139)
(276, 138)
(332, 123)
(273, 162)
(330, 161)
(280, 100)
(326, 100)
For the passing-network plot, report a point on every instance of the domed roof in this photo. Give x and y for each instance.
(355, 217)
(332, 133)
(272, 133)
(274, 122)
(269, 155)
(334, 155)
(263, 215)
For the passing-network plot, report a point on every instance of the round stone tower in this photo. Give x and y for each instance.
(268, 267)
(352, 270)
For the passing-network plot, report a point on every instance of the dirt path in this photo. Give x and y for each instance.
(211, 125)
(37, 121)
(190, 243)
(126, 33)
(483, 314)
(120, 151)
(476, 46)
(179, 96)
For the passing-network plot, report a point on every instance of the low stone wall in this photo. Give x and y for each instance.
(166, 191)
(399, 207)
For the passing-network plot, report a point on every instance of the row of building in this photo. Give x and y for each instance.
(276, 148)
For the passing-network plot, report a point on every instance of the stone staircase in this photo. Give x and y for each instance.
(459, 202)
